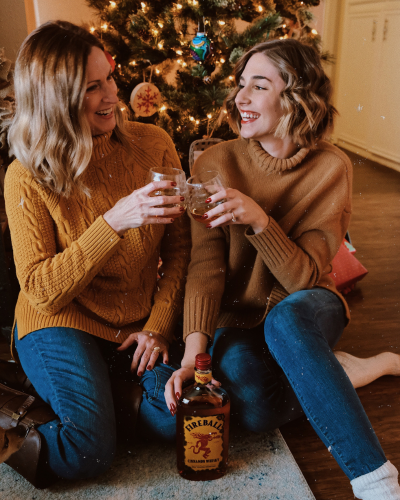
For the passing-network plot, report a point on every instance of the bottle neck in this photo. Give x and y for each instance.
(202, 377)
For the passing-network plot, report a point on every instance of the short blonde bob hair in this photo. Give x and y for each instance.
(308, 113)
(50, 134)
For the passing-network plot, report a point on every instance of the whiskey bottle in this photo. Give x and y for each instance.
(202, 424)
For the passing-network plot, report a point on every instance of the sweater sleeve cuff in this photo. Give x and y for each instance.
(200, 315)
(272, 243)
(98, 240)
(162, 321)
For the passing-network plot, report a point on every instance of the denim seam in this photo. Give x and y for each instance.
(156, 388)
(45, 370)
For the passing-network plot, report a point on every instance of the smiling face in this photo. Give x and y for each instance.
(101, 93)
(258, 99)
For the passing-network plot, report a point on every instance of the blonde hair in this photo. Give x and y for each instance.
(50, 134)
(308, 113)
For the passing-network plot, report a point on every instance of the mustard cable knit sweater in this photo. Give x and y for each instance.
(74, 269)
(235, 276)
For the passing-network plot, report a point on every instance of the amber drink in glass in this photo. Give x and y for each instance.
(200, 188)
(169, 174)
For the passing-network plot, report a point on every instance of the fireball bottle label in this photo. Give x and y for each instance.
(202, 378)
(203, 438)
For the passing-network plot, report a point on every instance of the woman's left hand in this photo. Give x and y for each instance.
(149, 346)
(239, 208)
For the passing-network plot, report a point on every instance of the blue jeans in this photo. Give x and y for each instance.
(70, 370)
(285, 368)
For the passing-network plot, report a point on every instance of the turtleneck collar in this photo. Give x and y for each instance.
(270, 163)
(103, 145)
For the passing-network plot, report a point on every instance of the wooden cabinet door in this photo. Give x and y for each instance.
(360, 48)
(385, 119)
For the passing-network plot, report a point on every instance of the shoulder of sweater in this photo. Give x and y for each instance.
(225, 149)
(145, 132)
(335, 155)
(17, 174)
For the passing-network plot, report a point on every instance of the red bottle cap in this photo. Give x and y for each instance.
(203, 361)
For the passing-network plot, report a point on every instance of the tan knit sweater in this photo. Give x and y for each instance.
(74, 269)
(235, 276)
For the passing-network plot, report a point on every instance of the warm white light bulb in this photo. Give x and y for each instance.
(160, 45)
(113, 5)
(314, 32)
(104, 26)
(209, 116)
(163, 108)
(179, 52)
(222, 60)
(161, 25)
(231, 78)
(197, 122)
(260, 9)
(191, 118)
(221, 23)
(92, 29)
(178, 6)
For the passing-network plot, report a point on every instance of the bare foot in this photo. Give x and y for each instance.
(363, 371)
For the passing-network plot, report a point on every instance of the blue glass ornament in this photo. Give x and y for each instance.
(200, 47)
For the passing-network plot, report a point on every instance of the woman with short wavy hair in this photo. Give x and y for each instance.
(259, 294)
(87, 237)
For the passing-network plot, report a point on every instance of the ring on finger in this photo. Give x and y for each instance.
(233, 217)
(156, 349)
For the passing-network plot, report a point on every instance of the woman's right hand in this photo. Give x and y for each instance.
(173, 388)
(139, 208)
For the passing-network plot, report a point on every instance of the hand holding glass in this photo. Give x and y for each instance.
(170, 174)
(201, 187)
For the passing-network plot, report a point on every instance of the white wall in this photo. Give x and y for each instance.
(13, 27)
(74, 11)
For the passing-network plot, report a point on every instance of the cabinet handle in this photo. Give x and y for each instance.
(385, 29)
(373, 30)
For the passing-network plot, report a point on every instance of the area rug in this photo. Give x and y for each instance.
(260, 467)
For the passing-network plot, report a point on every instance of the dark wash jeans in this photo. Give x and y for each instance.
(70, 369)
(285, 368)
(273, 373)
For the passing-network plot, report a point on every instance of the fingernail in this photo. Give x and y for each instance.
(140, 374)
(177, 395)
(182, 209)
(149, 367)
(172, 220)
(204, 216)
(182, 198)
(173, 183)
(208, 200)
(208, 226)
(172, 409)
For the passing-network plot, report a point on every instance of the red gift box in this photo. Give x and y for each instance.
(346, 269)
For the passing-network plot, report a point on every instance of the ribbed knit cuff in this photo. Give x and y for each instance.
(97, 241)
(381, 483)
(200, 315)
(272, 243)
(162, 321)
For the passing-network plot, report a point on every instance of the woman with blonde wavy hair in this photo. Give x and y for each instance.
(259, 295)
(87, 237)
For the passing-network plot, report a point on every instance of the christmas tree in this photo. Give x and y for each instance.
(187, 50)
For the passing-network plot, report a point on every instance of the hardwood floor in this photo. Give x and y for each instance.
(375, 327)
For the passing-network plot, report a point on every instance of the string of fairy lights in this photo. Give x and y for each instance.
(182, 52)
